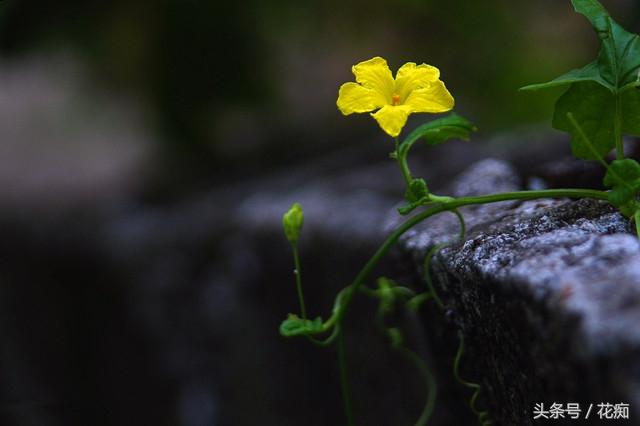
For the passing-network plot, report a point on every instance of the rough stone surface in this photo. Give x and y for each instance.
(546, 293)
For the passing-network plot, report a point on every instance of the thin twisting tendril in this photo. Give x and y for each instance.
(427, 275)
(325, 342)
(430, 382)
(396, 337)
(463, 225)
(484, 418)
(345, 296)
(397, 343)
(347, 293)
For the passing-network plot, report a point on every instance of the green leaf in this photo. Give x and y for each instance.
(589, 72)
(296, 326)
(623, 176)
(622, 195)
(619, 57)
(594, 107)
(417, 194)
(592, 9)
(416, 191)
(621, 171)
(437, 131)
(440, 130)
(630, 104)
(434, 132)
(603, 91)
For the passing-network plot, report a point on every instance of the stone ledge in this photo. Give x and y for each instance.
(546, 292)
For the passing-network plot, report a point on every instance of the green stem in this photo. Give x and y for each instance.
(402, 162)
(297, 272)
(440, 198)
(348, 292)
(344, 379)
(427, 275)
(463, 225)
(636, 217)
(447, 206)
(617, 129)
(525, 195)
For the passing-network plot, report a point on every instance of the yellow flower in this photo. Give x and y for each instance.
(416, 88)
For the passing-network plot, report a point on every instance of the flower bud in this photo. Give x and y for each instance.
(292, 222)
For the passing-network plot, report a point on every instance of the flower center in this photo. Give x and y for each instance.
(395, 99)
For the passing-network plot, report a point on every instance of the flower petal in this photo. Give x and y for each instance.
(375, 74)
(411, 77)
(434, 99)
(392, 118)
(355, 98)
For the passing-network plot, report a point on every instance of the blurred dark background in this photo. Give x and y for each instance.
(140, 282)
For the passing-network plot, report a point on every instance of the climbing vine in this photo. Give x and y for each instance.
(601, 104)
